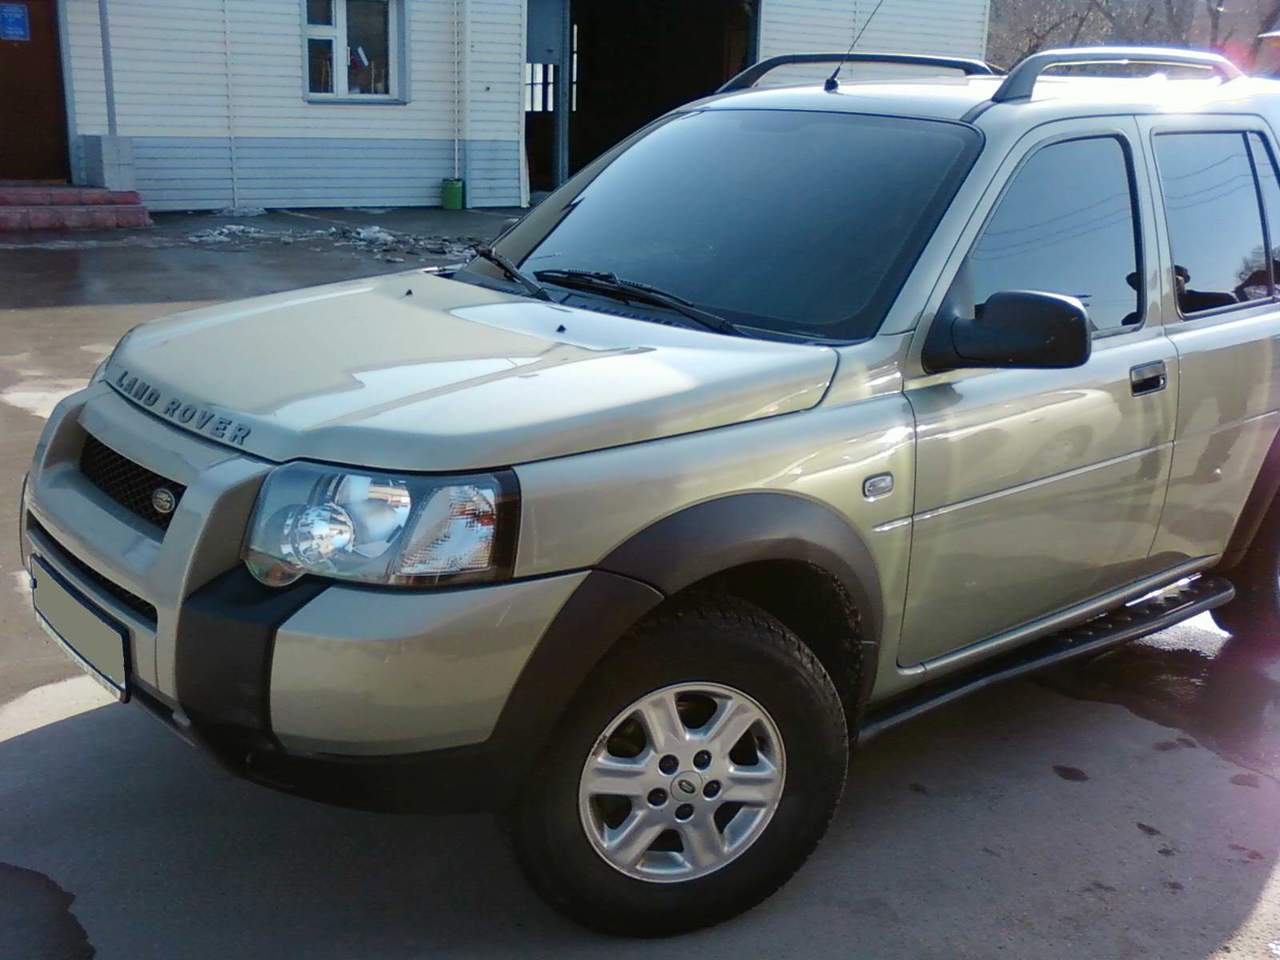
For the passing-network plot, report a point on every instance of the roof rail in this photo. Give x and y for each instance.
(1021, 82)
(751, 76)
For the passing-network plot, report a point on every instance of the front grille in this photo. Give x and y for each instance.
(129, 484)
(130, 600)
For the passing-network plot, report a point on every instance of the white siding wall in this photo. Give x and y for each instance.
(212, 91)
(956, 27)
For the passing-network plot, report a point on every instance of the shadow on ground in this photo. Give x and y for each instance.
(1021, 823)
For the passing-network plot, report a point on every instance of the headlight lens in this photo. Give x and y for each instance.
(382, 528)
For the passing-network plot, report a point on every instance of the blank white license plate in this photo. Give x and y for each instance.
(93, 640)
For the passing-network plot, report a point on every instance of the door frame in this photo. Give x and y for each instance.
(74, 166)
(915, 378)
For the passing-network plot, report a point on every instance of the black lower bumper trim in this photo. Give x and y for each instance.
(226, 634)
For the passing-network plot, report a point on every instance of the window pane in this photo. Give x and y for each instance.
(1065, 225)
(368, 47)
(1265, 164)
(320, 12)
(786, 220)
(1215, 228)
(320, 66)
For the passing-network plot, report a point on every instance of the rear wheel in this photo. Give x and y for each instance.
(694, 773)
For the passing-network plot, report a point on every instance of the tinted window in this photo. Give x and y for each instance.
(1265, 165)
(784, 220)
(1215, 226)
(1066, 225)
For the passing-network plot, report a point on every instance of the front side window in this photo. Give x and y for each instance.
(351, 48)
(793, 222)
(1211, 205)
(1066, 224)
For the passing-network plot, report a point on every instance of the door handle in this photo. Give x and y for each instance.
(1148, 378)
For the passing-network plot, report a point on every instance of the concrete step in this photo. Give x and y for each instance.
(105, 216)
(63, 196)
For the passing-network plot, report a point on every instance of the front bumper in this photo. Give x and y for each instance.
(379, 698)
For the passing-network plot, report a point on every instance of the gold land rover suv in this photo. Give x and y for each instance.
(803, 410)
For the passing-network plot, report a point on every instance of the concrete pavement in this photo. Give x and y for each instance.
(1127, 807)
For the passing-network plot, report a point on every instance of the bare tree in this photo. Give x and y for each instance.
(1022, 27)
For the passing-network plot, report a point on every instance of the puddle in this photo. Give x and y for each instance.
(1224, 694)
(36, 918)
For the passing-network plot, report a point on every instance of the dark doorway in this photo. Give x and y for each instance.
(33, 124)
(632, 61)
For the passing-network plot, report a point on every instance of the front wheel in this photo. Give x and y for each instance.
(696, 770)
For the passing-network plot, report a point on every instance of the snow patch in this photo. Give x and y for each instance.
(22, 580)
(225, 233)
(39, 396)
(49, 704)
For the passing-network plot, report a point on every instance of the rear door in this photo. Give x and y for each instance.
(1041, 489)
(1218, 193)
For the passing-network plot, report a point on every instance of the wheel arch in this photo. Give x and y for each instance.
(795, 558)
(1259, 503)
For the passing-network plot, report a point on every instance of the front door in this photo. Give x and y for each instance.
(33, 125)
(1040, 489)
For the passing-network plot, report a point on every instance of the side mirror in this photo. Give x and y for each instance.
(1021, 329)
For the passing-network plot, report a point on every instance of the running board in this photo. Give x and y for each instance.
(1151, 613)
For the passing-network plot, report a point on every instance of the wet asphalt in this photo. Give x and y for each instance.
(1122, 807)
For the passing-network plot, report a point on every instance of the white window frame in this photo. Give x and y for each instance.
(336, 34)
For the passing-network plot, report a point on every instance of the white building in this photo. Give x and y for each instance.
(297, 103)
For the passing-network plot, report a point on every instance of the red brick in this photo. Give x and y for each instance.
(65, 197)
(104, 216)
(45, 218)
(13, 218)
(134, 216)
(24, 196)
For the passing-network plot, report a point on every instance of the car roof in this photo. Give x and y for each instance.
(948, 98)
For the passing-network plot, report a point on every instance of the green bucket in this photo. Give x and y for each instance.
(453, 193)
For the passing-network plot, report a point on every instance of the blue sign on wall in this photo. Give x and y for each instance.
(15, 23)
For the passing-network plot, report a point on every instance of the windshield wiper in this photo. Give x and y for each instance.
(611, 284)
(513, 272)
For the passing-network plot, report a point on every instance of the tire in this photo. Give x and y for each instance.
(1254, 615)
(735, 651)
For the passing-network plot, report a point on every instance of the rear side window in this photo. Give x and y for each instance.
(1066, 224)
(1264, 162)
(1212, 208)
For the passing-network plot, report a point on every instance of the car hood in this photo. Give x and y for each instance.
(416, 372)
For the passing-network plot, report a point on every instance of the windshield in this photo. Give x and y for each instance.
(788, 221)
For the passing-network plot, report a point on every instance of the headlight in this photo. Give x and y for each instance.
(382, 528)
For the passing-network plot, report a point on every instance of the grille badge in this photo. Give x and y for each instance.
(163, 500)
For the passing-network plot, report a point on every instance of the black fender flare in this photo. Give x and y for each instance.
(659, 561)
(718, 535)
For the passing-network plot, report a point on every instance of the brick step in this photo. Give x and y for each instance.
(90, 217)
(58, 196)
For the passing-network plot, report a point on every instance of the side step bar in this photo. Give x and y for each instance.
(1148, 615)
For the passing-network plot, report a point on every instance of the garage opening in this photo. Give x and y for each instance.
(627, 62)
